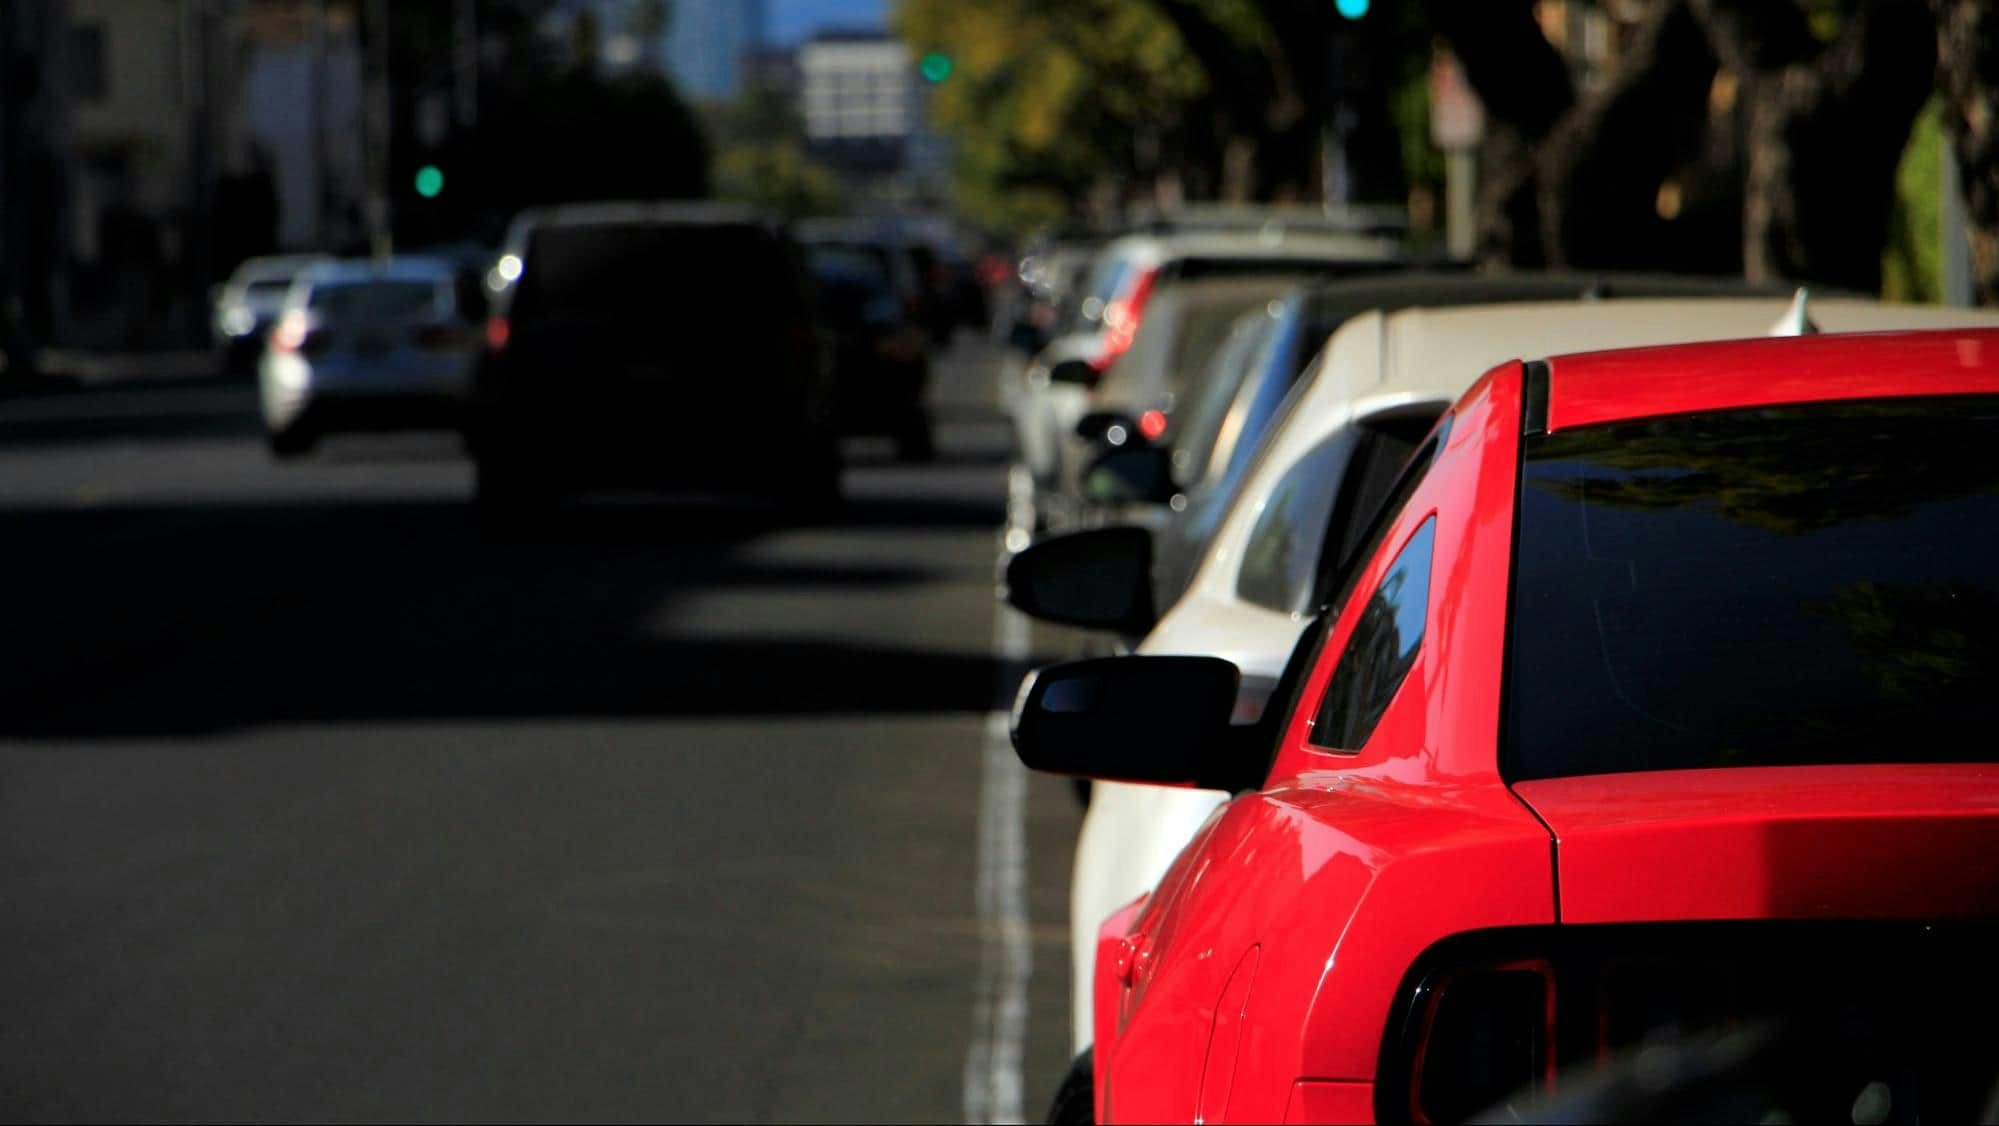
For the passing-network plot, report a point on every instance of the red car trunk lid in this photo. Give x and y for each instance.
(1807, 842)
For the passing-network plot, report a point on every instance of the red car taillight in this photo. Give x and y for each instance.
(1484, 1032)
(1121, 319)
(1489, 1023)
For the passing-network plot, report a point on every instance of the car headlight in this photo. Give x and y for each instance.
(237, 321)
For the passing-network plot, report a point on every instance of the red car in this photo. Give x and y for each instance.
(1661, 699)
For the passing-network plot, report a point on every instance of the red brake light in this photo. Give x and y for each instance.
(1121, 319)
(498, 332)
(291, 333)
(1486, 1032)
(1152, 424)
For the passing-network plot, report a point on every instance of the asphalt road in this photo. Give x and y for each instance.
(316, 803)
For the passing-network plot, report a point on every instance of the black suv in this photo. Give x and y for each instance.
(651, 345)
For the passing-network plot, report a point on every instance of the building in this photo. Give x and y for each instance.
(709, 42)
(301, 96)
(859, 98)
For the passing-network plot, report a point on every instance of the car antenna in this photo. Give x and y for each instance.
(1797, 319)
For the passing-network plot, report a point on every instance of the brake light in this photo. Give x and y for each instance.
(1152, 424)
(291, 333)
(1121, 319)
(1485, 1032)
(498, 332)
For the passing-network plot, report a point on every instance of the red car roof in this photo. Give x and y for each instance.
(1600, 387)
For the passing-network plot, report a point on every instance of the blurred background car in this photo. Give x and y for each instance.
(652, 346)
(1101, 324)
(1046, 282)
(881, 352)
(1137, 401)
(364, 345)
(248, 304)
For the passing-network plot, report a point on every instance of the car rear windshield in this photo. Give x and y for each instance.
(721, 276)
(375, 300)
(1800, 585)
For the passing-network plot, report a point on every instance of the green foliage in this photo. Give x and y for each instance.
(776, 176)
(1047, 96)
(1912, 261)
(761, 156)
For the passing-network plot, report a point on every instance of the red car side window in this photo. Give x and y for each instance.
(1381, 650)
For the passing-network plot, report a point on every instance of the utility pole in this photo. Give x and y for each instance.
(381, 240)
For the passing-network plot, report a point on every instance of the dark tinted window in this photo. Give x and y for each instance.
(1812, 584)
(1381, 650)
(1376, 468)
(377, 300)
(723, 276)
(1210, 422)
(1282, 554)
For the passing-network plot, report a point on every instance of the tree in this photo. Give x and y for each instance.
(1968, 79)
(1731, 122)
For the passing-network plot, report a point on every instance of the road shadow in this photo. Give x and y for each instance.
(198, 619)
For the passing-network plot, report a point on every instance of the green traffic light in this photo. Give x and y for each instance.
(429, 181)
(935, 67)
(1352, 9)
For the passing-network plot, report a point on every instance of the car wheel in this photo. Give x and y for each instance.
(1076, 1099)
(916, 441)
(815, 485)
(504, 496)
(291, 441)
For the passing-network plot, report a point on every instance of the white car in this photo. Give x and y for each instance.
(248, 304)
(365, 345)
(1376, 388)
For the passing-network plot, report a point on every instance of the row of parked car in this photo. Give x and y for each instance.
(616, 345)
(1540, 696)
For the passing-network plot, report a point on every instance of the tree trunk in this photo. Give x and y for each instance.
(1613, 175)
(1524, 86)
(1825, 132)
(1968, 79)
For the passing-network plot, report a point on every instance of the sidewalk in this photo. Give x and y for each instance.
(75, 367)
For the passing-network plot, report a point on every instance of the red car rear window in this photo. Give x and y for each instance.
(1795, 585)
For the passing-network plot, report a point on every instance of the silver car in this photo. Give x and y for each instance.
(363, 345)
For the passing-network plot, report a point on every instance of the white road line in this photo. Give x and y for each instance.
(993, 1064)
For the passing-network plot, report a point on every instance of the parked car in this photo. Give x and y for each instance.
(1049, 281)
(1381, 382)
(1052, 395)
(248, 304)
(1210, 455)
(1655, 678)
(1136, 401)
(643, 345)
(881, 356)
(364, 345)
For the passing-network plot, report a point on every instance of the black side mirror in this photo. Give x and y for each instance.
(1100, 578)
(1130, 474)
(1128, 719)
(1077, 372)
